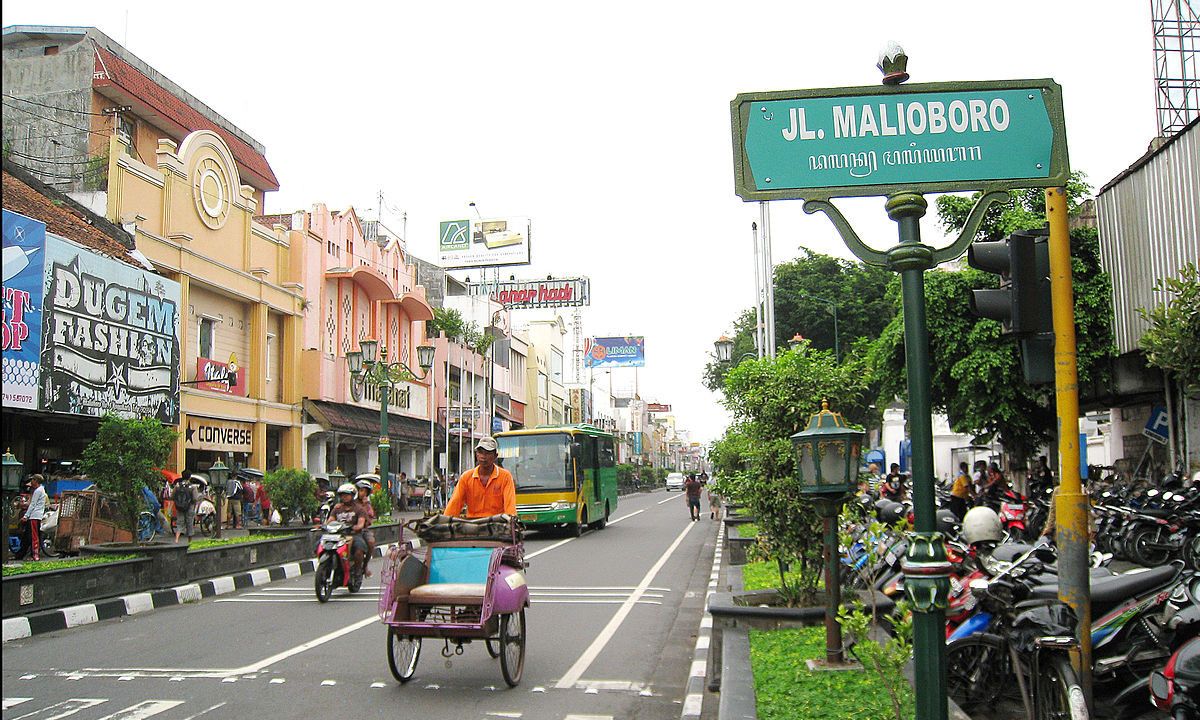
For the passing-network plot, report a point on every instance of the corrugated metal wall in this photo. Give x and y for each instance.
(1149, 229)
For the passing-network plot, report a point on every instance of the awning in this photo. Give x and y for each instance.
(364, 423)
(368, 278)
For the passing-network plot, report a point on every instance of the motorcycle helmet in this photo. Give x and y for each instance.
(981, 524)
(364, 484)
(947, 522)
(890, 512)
(864, 504)
(346, 489)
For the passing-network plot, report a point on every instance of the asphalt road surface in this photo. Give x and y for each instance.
(611, 632)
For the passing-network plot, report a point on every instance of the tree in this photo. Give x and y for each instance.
(293, 491)
(125, 457)
(806, 291)
(975, 373)
(770, 400)
(1172, 342)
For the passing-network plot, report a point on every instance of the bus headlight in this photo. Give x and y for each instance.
(562, 505)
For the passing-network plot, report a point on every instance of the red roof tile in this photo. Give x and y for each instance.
(128, 78)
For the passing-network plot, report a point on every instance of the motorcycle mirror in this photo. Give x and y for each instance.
(1160, 686)
(978, 585)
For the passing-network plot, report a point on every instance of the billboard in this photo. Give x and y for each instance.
(658, 408)
(534, 294)
(483, 243)
(110, 336)
(605, 352)
(24, 243)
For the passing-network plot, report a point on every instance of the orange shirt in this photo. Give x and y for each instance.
(498, 496)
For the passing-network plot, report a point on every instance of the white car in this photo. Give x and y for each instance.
(675, 481)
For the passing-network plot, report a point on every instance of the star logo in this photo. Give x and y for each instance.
(191, 431)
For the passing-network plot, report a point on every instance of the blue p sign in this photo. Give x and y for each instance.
(1157, 427)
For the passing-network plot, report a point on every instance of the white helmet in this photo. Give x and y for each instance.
(980, 524)
(346, 489)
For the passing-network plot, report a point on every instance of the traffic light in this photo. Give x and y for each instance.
(1022, 302)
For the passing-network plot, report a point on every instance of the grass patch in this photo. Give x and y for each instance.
(747, 530)
(764, 574)
(218, 542)
(788, 690)
(43, 565)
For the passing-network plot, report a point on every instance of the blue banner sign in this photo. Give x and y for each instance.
(24, 256)
(615, 352)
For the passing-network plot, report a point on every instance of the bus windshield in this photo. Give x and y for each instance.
(538, 463)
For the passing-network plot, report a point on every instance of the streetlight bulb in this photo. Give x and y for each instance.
(370, 350)
(724, 347)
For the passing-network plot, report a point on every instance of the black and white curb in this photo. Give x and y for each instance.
(693, 701)
(53, 620)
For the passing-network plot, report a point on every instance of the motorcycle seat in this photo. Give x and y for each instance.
(1157, 512)
(1010, 551)
(1114, 589)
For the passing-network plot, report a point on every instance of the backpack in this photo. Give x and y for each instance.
(183, 496)
(234, 489)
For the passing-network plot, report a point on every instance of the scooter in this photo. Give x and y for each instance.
(1176, 687)
(1012, 515)
(336, 566)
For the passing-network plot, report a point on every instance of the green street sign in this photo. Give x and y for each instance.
(876, 140)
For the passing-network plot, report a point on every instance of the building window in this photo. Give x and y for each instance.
(50, 50)
(270, 349)
(205, 345)
(125, 130)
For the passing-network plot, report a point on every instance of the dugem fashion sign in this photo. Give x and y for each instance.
(615, 352)
(936, 137)
(110, 337)
(522, 295)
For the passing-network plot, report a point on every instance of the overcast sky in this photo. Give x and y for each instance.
(609, 126)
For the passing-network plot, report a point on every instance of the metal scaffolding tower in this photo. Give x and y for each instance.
(1176, 76)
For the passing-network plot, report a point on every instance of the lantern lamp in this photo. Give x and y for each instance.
(827, 454)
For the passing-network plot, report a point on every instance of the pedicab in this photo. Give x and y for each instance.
(457, 581)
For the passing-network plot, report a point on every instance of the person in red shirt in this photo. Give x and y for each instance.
(485, 490)
(691, 488)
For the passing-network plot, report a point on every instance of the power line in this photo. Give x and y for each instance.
(60, 122)
(55, 107)
(51, 161)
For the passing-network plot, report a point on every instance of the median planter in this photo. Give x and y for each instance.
(34, 592)
(736, 546)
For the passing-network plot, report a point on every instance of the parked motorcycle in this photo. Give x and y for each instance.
(336, 566)
(1176, 688)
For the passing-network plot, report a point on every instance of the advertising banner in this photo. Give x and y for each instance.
(483, 243)
(215, 376)
(535, 294)
(615, 352)
(110, 337)
(24, 252)
(220, 435)
(658, 408)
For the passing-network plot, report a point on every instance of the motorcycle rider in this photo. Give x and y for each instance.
(485, 490)
(364, 501)
(348, 511)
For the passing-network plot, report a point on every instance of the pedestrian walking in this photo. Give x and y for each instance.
(960, 492)
(164, 499)
(691, 491)
(185, 505)
(251, 510)
(34, 514)
(234, 490)
(714, 504)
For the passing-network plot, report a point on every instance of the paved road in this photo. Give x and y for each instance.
(611, 634)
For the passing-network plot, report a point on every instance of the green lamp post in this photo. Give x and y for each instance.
(13, 472)
(369, 366)
(827, 461)
(218, 474)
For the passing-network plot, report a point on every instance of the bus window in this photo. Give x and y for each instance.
(538, 463)
(587, 461)
(606, 453)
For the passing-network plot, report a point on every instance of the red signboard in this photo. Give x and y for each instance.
(215, 376)
(658, 408)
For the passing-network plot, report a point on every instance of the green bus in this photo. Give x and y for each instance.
(566, 476)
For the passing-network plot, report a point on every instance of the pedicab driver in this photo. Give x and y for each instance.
(485, 490)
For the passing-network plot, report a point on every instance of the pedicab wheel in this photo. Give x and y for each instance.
(323, 579)
(493, 647)
(403, 653)
(512, 646)
(208, 525)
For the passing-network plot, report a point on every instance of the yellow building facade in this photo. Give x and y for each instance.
(241, 314)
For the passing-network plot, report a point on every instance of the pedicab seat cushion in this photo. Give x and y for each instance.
(448, 594)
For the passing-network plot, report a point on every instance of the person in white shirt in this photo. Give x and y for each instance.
(34, 514)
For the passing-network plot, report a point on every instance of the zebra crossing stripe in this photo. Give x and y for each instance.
(13, 702)
(144, 709)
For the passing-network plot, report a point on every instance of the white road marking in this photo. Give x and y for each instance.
(547, 549)
(142, 710)
(592, 595)
(378, 685)
(621, 685)
(674, 497)
(536, 601)
(291, 600)
(698, 667)
(585, 660)
(628, 588)
(204, 711)
(13, 702)
(328, 683)
(30, 676)
(626, 517)
(576, 716)
(505, 714)
(278, 681)
(65, 708)
(692, 704)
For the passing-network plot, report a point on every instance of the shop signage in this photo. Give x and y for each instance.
(215, 376)
(873, 140)
(658, 408)
(110, 337)
(615, 352)
(24, 242)
(483, 243)
(532, 295)
(460, 430)
(219, 435)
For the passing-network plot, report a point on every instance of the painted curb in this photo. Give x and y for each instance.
(693, 699)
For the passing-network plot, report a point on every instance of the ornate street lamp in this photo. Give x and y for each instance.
(371, 367)
(218, 474)
(724, 348)
(14, 470)
(827, 459)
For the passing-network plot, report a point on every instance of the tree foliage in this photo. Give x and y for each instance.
(976, 374)
(1172, 342)
(770, 400)
(293, 491)
(806, 291)
(125, 457)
